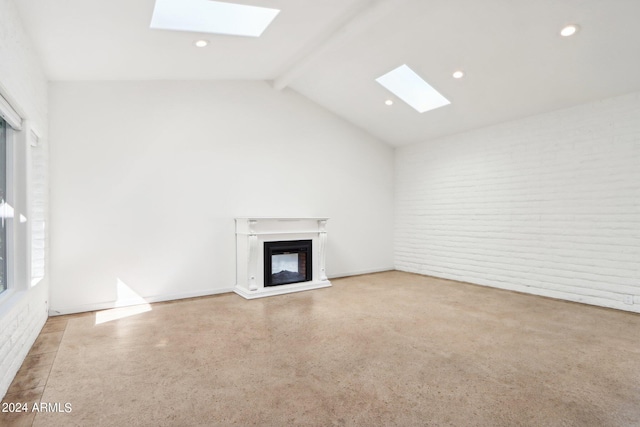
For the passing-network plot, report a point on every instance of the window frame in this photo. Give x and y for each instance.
(4, 287)
(10, 201)
(18, 194)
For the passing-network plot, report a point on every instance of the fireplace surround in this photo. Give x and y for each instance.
(294, 247)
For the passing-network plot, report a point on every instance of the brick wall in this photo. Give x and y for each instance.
(20, 328)
(23, 310)
(548, 205)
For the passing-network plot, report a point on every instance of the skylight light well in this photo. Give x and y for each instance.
(215, 17)
(404, 83)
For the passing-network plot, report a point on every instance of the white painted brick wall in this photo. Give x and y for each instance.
(23, 83)
(548, 205)
(20, 328)
(21, 71)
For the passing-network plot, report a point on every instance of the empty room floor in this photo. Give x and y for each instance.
(382, 349)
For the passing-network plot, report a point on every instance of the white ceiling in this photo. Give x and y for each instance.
(331, 51)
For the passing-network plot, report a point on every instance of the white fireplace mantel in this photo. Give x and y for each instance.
(252, 233)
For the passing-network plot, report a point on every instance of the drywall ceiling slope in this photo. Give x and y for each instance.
(111, 40)
(516, 63)
(332, 51)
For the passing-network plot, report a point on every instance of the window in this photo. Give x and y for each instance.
(3, 206)
(14, 242)
(23, 205)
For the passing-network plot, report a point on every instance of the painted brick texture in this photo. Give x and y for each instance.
(20, 328)
(548, 205)
(21, 72)
(23, 83)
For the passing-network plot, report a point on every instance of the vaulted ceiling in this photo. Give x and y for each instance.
(331, 51)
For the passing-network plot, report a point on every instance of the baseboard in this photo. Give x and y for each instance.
(149, 300)
(360, 272)
(542, 292)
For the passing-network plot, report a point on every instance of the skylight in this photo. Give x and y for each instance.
(207, 16)
(404, 83)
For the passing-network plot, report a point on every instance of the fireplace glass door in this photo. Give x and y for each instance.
(287, 262)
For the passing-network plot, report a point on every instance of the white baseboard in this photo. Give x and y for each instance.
(543, 292)
(112, 304)
(360, 272)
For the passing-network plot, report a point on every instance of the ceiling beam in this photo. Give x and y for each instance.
(358, 18)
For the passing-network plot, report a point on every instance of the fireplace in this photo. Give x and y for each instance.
(277, 256)
(287, 262)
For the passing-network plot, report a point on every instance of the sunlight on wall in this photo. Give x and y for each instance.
(128, 303)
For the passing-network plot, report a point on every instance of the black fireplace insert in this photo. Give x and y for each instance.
(287, 262)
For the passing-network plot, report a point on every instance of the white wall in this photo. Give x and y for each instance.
(23, 308)
(147, 178)
(548, 205)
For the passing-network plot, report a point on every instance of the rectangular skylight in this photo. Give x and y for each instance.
(404, 83)
(207, 16)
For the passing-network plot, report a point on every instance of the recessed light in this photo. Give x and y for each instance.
(388, 102)
(201, 43)
(458, 74)
(404, 83)
(569, 30)
(214, 17)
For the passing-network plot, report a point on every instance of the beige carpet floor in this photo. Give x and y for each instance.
(387, 349)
